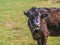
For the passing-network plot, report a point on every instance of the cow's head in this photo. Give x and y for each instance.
(35, 15)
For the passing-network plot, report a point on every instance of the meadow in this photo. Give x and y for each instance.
(13, 23)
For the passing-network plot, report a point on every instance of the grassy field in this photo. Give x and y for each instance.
(13, 23)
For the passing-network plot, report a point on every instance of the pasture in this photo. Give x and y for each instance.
(13, 23)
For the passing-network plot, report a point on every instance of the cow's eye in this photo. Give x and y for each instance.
(46, 15)
(42, 15)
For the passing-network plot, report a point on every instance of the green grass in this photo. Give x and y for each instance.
(13, 23)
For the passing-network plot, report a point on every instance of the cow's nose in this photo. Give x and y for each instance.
(36, 25)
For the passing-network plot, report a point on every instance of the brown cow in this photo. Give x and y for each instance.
(42, 22)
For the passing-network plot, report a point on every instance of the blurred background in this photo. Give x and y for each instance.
(13, 23)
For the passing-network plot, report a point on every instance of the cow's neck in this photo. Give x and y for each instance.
(43, 24)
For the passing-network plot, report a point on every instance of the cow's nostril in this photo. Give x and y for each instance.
(36, 25)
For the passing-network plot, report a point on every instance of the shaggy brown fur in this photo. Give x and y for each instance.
(53, 21)
(49, 23)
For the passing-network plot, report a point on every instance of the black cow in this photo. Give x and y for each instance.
(43, 22)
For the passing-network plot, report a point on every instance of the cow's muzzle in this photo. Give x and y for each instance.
(36, 33)
(36, 29)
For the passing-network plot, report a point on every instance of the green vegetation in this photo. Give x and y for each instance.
(13, 23)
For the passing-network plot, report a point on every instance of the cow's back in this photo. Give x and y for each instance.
(53, 21)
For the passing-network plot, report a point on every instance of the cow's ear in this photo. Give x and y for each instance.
(44, 15)
(48, 10)
(25, 13)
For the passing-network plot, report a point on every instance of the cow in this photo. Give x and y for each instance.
(43, 22)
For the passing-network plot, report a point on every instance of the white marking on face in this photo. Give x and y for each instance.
(39, 14)
(37, 20)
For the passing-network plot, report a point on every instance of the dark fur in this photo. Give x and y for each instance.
(50, 24)
(53, 20)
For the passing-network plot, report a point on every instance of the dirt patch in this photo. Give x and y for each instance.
(10, 24)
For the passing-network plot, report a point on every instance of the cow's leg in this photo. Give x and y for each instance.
(44, 38)
(44, 41)
(39, 42)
